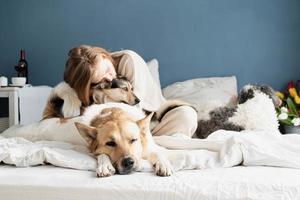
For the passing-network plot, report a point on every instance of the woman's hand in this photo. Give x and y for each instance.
(104, 70)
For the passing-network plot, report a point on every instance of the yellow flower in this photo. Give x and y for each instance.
(293, 92)
(297, 99)
(280, 95)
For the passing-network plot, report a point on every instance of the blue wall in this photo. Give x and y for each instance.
(256, 40)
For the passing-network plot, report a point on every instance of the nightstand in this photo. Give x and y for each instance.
(13, 103)
(25, 104)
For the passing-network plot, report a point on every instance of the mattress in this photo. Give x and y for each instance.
(48, 183)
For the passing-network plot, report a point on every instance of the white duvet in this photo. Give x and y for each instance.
(61, 145)
(234, 183)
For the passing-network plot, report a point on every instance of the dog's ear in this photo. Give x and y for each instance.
(144, 123)
(102, 85)
(267, 90)
(122, 78)
(88, 133)
(119, 83)
(245, 94)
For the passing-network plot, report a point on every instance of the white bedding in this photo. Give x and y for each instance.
(220, 149)
(52, 183)
(243, 182)
(214, 155)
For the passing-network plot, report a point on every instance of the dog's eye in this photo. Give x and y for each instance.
(133, 140)
(125, 88)
(111, 144)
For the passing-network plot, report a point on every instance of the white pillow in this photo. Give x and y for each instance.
(204, 94)
(154, 70)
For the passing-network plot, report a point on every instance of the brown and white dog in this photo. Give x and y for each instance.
(119, 141)
(64, 103)
(118, 90)
(118, 138)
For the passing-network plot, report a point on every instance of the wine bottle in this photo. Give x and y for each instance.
(22, 67)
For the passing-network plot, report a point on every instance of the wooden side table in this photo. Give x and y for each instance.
(12, 93)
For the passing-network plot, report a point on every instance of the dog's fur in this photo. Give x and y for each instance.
(120, 142)
(118, 90)
(117, 139)
(255, 111)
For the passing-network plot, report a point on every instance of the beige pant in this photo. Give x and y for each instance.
(182, 119)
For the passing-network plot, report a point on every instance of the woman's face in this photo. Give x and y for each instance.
(104, 70)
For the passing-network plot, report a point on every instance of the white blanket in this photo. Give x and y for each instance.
(221, 149)
(60, 144)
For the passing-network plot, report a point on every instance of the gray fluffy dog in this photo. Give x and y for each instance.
(255, 111)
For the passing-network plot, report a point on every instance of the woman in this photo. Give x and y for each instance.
(87, 65)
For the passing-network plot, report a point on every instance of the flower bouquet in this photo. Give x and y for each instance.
(289, 112)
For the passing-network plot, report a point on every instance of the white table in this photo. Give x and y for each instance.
(25, 104)
(12, 93)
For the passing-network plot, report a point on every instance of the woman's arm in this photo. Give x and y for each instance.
(135, 69)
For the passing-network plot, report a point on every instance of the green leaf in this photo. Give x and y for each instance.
(277, 110)
(286, 122)
(292, 115)
(291, 105)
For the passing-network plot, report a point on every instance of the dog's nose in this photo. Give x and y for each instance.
(127, 163)
(137, 101)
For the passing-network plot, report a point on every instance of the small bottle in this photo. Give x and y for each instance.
(22, 67)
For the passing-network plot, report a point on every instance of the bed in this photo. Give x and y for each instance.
(48, 182)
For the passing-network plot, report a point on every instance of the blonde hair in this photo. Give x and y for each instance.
(80, 67)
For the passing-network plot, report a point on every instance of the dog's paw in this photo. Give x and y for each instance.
(105, 171)
(163, 167)
(105, 168)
